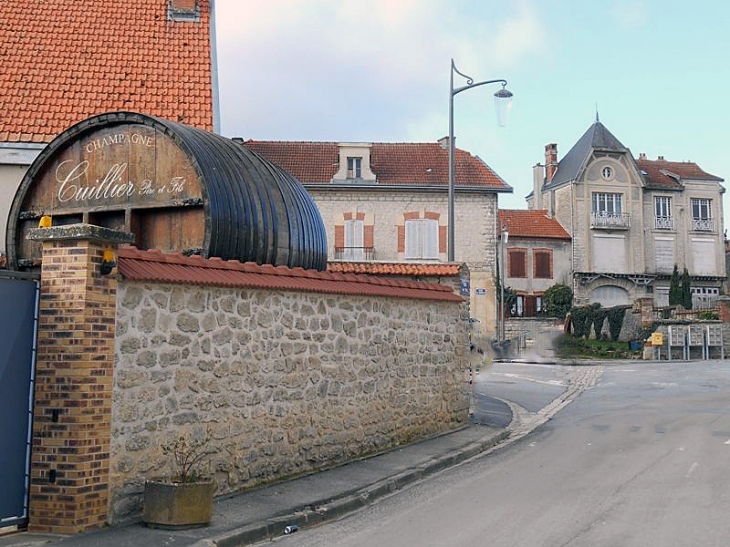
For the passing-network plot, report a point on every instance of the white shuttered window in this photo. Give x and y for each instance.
(422, 238)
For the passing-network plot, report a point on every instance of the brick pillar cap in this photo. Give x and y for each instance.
(80, 232)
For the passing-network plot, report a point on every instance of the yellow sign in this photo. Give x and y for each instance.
(657, 339)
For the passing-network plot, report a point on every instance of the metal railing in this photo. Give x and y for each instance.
(355, 253)
(613, 221)
(664, 223)
(703, 224)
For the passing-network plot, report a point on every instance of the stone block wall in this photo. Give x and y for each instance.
(281, 383)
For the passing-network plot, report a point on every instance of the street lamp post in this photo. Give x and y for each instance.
(504, 236)
(502, 101)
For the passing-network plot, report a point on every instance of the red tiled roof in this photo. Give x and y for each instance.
(137, 265)
(62, 61)
(423, 164)
(533, 224)
(658, 173)
(395, 268)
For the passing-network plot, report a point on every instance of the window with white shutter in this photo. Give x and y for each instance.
(354, 230)
(422, 238)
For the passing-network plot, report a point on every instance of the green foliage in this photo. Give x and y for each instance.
(557, 301)
(675, 289)
(686, 291)
(599, 317)
(616, 321)
(708, 315)
(582, 318)
(569, 347)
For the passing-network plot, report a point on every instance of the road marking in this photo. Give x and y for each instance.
(527, 378)
(691, 469)
(727, 442)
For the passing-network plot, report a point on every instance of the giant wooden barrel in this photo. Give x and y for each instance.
(174, 187)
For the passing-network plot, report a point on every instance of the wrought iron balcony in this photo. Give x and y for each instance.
(664, 223)
(703, 224)
(611, 221)
(355, 253)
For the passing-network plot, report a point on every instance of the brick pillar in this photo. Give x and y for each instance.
(723, 304)
(69, 486)
(646, 309)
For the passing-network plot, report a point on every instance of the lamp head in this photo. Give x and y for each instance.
(503, 104)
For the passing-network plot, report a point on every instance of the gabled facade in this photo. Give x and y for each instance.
(388, 202)
(535, 254)
(631, 220)
(64, 61)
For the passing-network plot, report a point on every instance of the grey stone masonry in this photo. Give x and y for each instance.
(281, 383)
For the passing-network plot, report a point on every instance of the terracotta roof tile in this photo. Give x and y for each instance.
(137, 265)
(61, 62)
(395, 268)
(532, 224)
(670, 174)
(423, 164)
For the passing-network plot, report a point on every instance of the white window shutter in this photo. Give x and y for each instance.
(413, 244)
(430, 238)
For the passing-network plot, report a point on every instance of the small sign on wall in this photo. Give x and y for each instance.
(481, 292)
(657, 339)
(465, 288)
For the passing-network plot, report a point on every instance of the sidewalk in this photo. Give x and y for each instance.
(306, 501)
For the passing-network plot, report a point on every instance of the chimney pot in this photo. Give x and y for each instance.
(551, 161)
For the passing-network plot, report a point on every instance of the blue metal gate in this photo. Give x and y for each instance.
(18, 326)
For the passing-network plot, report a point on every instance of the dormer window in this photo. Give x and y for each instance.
(354, 164)
(354, 168)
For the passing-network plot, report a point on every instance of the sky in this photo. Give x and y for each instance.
(657, 72)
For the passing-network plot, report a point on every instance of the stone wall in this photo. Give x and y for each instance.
(281, 382)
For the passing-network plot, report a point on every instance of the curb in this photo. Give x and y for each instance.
(333, 509)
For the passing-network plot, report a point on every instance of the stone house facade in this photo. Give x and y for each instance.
(535, 256)
(388, 202)
(632, 220)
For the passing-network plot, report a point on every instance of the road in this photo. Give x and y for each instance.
(639, 459)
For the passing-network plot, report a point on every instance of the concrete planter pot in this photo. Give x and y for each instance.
(178, 505)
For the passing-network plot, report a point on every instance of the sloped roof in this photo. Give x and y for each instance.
(395, 268)
(670, 175)
(160, 267)
(596, 137)
(531, 224)
(62, 61)
(423, 164)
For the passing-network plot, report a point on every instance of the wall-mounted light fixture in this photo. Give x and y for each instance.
(108, 262)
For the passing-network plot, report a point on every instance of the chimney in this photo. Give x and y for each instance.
(538, 176)
(660, 158)
(551, 161)
(444, 142)
(642, 156)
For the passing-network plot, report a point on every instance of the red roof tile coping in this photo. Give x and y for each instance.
(531, 223)
(157, 266)
(423, 164)
(396, 268)
(63, 61)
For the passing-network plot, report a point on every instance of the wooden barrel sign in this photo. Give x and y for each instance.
(174, 187)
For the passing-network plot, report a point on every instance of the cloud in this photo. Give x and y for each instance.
(352, 70)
